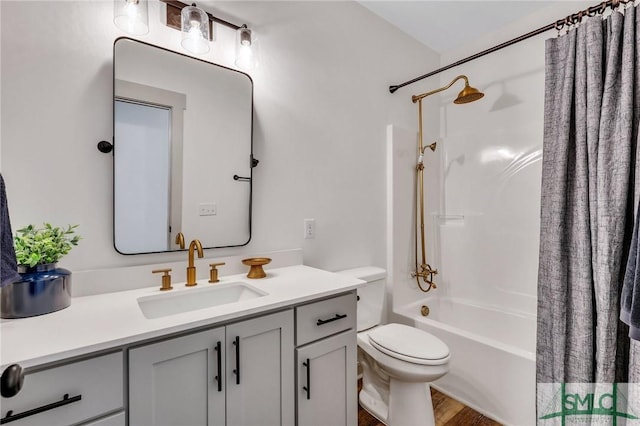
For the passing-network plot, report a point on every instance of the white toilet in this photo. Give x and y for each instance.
(397, 361)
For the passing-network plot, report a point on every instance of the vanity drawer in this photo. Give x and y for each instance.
(68, 394)
(321, 319)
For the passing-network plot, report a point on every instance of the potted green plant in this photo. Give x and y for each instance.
(44, 287)
(42, 246)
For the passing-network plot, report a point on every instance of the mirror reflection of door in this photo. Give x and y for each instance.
(143, 151)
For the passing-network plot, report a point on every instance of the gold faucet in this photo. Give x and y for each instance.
(191, 269)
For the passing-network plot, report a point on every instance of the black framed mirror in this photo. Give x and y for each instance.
(183, 150)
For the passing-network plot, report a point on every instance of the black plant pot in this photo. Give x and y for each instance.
(43, 289)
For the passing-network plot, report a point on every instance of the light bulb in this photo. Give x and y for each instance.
(131, 16)
(246, 49)
(195, 30)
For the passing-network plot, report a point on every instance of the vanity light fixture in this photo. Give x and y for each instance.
(195, 29)
(246, 49)
(131, 16)
(246, 42)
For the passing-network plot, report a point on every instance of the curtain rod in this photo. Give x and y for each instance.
(569, 20)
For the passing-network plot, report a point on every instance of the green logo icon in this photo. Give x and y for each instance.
(575, 403)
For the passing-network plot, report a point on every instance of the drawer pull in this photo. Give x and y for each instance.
(218, 349)
(336, 318)
(10, 417)
(308, 387)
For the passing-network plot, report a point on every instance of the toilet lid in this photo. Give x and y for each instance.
(409, 344)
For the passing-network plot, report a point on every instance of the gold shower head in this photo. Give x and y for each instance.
(468, 94)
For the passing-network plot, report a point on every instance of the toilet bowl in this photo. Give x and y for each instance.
(397, 361)
(395, 383)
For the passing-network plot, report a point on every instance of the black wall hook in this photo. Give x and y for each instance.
(105, 147)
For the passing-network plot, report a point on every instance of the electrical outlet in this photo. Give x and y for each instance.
(309, 228)
(207, 209)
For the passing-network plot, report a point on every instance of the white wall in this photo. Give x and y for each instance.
(321, 108)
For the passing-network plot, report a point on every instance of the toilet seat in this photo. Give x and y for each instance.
(409, 344)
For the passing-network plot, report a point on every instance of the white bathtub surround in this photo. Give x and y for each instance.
(484, 233)
(482, 238)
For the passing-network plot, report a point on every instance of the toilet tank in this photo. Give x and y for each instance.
(370, 296)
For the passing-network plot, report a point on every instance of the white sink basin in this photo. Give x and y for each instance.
(176, 302)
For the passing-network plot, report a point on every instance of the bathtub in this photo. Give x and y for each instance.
(492, 367)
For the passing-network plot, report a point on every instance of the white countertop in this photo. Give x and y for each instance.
(105, 321)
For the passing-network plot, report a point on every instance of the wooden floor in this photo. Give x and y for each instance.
(448, 412)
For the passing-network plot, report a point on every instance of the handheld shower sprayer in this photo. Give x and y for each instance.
(432, 147)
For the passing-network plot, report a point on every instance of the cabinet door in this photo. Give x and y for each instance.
(326, 381)
(260, 375)
(176, 382)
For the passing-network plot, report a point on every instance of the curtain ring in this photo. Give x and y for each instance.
(576, 18)
(603, 7)
(559, 25)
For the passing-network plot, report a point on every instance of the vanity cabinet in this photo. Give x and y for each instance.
(239, 374)
(82, 392)
(326, 385)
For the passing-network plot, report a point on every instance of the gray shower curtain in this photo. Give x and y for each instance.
(589, 190)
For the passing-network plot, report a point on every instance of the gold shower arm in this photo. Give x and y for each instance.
(416, 98)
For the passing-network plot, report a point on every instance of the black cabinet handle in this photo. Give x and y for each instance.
(11, 380)
(308, 387)
(236, 343)
(336, 318)
(218, 349)
(10, 417)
